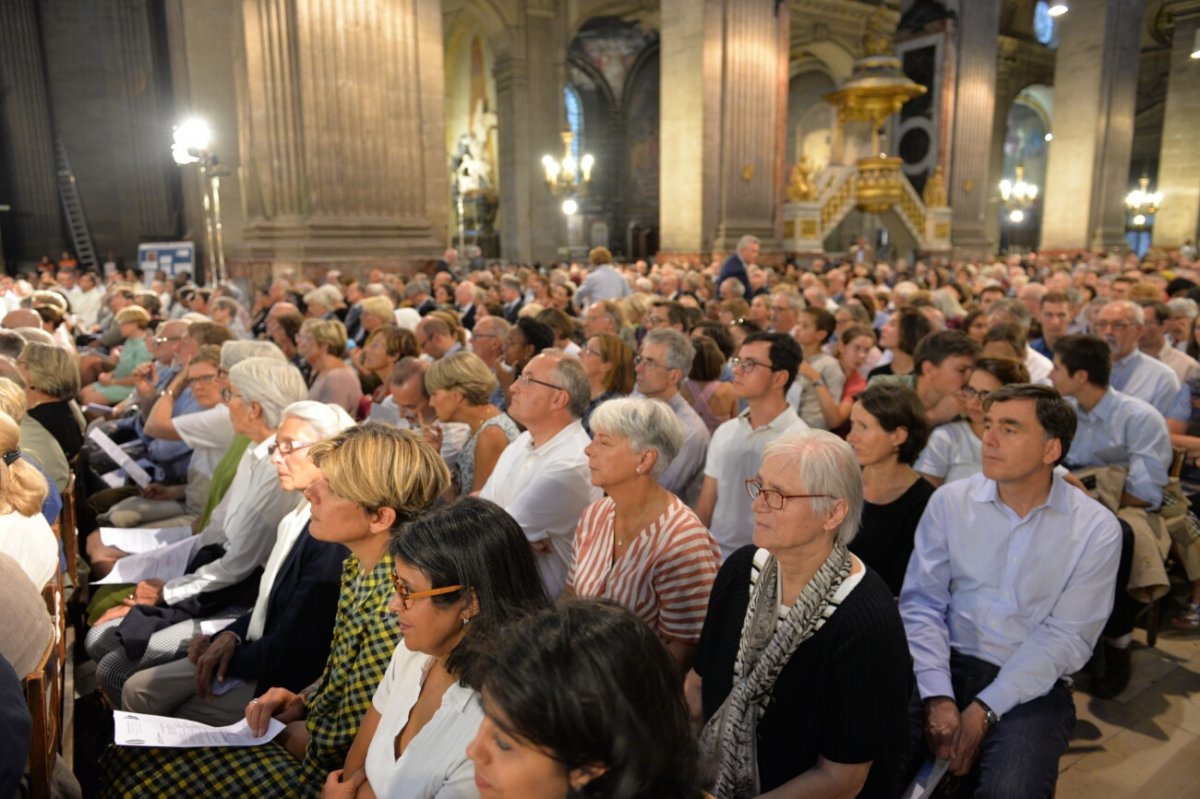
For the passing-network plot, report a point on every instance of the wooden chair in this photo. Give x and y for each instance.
(1154, 610)
(43, 695)
(70, 533)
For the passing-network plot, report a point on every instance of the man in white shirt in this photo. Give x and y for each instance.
(1120, 324)
(1014, 311)
(1010, 583)
(542, 478)
(665, 360)
(763, 370)
(86, 299)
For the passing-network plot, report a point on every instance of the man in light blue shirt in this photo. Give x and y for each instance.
(604, 283)
(1120, 324)
(1114, 430)
(1009, 585)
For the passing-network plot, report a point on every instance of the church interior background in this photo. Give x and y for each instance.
(364, 133)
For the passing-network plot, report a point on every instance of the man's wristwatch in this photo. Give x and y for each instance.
(989, 716)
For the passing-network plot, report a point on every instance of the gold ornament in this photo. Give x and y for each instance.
(934, 195)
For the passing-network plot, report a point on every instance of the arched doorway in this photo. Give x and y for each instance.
(1026, 147)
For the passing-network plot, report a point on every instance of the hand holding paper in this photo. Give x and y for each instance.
(140, 729)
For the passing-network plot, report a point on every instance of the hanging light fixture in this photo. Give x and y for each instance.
(1142, 204)
(567, 176)
(1018, 196)
(1196, 45)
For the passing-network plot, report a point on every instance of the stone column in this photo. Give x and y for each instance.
(970, 179)
(342, 142)
(1095, 93)
(32, 228)
(1179, 161)
(719, 123)
(750, 133)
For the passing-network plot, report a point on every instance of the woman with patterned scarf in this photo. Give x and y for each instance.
(802, 672)
(376, 478)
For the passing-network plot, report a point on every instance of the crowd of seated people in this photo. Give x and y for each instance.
(606, 529)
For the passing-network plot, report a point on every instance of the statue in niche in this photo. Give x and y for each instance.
(472, 174)
(878, 38)
(934, 195)
(801, 188)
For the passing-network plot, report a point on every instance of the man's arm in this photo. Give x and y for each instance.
(925, 600)
(1150, 456)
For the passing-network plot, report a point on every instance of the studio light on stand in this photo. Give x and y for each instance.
(192, 139)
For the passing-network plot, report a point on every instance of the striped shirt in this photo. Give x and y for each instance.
(664, 576)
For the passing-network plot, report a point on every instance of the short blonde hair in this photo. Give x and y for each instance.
(328, 333)
(465, 372)
(378, 466)
(22, 487)
(52, 370)
(12, 399)
(378, 306)
(135, 314)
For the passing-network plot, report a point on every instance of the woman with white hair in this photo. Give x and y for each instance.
(235, 543)
(284, 639)
(640, 545)
(802, 671)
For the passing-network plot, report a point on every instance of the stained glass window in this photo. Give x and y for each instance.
(1043, 25)
(574, 118)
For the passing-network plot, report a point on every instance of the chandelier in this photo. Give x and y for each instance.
(1142, 204)
(567, 176)
(1018, 195)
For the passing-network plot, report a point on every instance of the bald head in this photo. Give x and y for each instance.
(23, 317)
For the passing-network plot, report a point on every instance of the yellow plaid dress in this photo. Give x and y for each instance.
(365, 635)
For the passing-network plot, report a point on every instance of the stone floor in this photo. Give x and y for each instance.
(1146, 742)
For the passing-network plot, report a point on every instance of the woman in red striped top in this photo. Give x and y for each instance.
(640, 545)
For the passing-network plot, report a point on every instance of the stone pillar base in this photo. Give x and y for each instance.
(938, 230)
(260, 271)
(802, 228)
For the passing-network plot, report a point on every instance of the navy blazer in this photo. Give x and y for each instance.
(299, 627)
(733, 267)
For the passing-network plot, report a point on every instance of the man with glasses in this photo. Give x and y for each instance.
(488, 342)
(785, 311)
(542, 478)
(665, 315)
(1134, 373)
(763, 370)
(665, 360)
(1114, 429)
(1010, 583)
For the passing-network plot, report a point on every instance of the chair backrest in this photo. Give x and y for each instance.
(70, 533)
(43, 695)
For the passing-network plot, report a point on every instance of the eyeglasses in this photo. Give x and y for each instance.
(776, 499)
(167, 339)
(407, 597)
(202, 379)
(288, 447)
(741, 320)
(592, 353)
(655, 320)
(227, 395)
(969, 393)
(650, 363)
(1116, 327)
(746, 364)
(525, 380)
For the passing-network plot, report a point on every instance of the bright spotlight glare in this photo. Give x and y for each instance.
(1049, 137)
(1057, 9)
(1139, 219)
(1017, 216)
(570, 207)
(191, 137)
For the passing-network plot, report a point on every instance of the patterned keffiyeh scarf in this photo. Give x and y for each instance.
(767, 644)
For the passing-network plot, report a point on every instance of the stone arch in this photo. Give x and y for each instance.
(836, 61)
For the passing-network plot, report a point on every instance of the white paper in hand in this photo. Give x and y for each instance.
(120, 457)
(221, 688)
(142, 539)
(927, 779)
(140, 729)
(165, 563)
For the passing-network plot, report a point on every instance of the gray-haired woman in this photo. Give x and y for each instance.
(239, 534)
(640, 545)
(802, 669)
